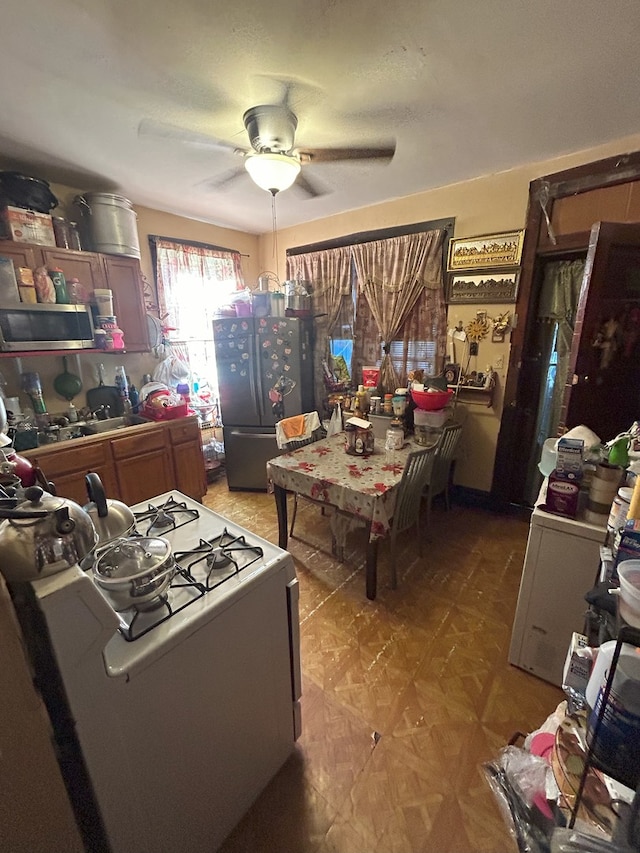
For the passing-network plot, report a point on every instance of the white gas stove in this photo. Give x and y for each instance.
(190, 705)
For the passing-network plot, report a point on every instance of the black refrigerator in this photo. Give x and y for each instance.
(265, 373)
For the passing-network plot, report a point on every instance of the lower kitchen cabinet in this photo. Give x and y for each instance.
(143, 465)
(134, 464)
(66, 466)
(188, 458)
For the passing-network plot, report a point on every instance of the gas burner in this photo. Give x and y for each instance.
(171, 515)
(226, 551)
(163, 519)
(218, 559)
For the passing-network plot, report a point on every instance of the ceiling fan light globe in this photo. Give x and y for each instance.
(273, 172)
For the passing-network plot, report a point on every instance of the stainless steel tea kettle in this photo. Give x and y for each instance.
(112, 519)
(43, 535)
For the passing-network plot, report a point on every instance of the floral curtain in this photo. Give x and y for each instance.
(394, 275)
(203, 268)
(330, 274)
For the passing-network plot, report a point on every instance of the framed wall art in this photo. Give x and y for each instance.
(482, 287)
(490, 251)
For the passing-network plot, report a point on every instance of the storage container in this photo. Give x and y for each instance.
(111, 223)
(25, 226)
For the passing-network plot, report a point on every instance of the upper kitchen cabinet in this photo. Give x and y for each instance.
(85, 266)
(120, 274)
(124, 278)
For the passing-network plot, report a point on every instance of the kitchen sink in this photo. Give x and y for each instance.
(110, 424)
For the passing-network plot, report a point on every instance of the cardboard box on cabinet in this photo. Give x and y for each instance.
(25, 226)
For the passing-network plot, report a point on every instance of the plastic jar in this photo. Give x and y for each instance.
(394, 439)
(388, 404)
(619, 509)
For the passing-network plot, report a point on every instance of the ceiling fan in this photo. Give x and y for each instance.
(273, 161)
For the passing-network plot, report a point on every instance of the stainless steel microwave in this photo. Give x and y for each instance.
(45, 327)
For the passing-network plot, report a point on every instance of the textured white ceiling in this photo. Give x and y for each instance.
(466, 87)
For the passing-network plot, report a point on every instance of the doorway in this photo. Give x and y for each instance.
(562, 210)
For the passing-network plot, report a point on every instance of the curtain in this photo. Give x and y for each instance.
(193, 282)
(203, 268)
(330, 274)
(393, 275)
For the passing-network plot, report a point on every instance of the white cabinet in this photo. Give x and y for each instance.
(561, 564)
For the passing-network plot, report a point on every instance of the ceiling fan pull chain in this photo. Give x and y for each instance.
(274, 226)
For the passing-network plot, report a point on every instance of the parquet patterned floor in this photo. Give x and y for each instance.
(403, 697)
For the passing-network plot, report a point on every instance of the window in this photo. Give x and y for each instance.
(194, 282)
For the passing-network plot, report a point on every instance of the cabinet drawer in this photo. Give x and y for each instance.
(83, 458)
(143, 442)
(184, 430)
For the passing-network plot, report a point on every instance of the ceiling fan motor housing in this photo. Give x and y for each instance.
(271, 128)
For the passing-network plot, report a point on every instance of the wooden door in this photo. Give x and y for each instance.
(124, 278)
(603, 383)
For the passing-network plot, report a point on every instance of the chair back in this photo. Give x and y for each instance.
(313, 429)
(445, 450)
(414, 479)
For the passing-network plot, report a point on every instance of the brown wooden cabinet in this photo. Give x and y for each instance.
(143, 465)
(120, 274)
(67, 464)
(188, 459)
(134, 464)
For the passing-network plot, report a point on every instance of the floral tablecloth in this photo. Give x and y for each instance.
(362, 487)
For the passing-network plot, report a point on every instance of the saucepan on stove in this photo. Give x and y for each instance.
(135, 572)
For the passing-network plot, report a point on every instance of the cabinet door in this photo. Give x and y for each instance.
(21, 254)
(85, 266)
(124, 278)
(188, 463)
(188, 458)
(66, 467)
(144, 476)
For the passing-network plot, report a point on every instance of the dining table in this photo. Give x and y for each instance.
(364, 488)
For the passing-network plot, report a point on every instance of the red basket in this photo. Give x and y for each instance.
(431, 401)
(167, 413)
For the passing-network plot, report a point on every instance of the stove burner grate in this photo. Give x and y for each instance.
(143, 621)
(169, 515)
(227, 552)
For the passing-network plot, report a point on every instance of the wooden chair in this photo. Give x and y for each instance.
(440, 475)
(416, 474)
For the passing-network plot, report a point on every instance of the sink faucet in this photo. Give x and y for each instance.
(102, 413)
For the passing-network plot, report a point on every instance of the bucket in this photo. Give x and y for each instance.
(629, 597)
(104, 301)
(243, 308)
(617, 745)
(111, 223)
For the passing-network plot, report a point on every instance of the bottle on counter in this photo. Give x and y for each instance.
(134, 397)
(60, 285)
(123, 388)
(362, 401)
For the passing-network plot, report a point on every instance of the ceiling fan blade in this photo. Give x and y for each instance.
(162, 130)
(311, 188)
(334, 155)
(223, 181)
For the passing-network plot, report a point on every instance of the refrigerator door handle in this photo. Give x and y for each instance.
(258, 390)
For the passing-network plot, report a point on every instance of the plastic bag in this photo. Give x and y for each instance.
(516, 777)
(335, 424)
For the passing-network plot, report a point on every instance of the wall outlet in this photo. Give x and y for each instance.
(500, 362)
(473, 348)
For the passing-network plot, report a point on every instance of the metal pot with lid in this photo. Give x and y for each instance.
(43, 535)
(135, 572)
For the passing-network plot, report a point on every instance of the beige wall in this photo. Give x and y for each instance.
(484, 205)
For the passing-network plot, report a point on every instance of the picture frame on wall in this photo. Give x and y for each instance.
(483, 286)
(489, 250)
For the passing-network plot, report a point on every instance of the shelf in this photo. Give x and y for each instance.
(483, 396)
(48, 352)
